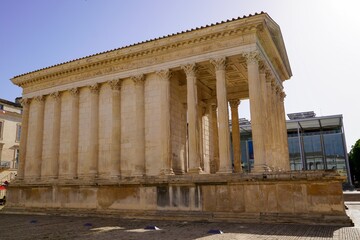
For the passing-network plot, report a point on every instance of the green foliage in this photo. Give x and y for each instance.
(354, 161)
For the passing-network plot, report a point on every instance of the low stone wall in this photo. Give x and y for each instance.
(308, 197)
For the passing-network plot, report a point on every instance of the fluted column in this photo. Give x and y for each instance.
(256, 111)
(55, 141)
(285, 146)
(165, 137)
(192, 116)
(234, 104)
(74, 141)
(270, 124)
(215, 141)
(94, 130)
(223, 116)
(25, 102)
(139, 154)
(39, 136)
(116, 128)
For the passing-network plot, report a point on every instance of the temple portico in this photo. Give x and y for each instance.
(144, 131)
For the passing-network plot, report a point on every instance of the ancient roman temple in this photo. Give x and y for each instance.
(143, 131)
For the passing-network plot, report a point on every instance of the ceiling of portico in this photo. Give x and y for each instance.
(236, 79)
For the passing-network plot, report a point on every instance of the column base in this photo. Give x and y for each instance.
(224, 171)
(195, 171)
(167, 172)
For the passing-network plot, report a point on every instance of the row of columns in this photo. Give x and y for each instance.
(267, 116)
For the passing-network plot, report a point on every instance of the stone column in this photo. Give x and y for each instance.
(164, 77)
(256, 111)
(94, 130)
(25, 102)
(139, 155)
(39, 136)
(223, 116)
(74, 140)
(116, 128)
(192, 116)
(234, 104)
(215, 142)
(270, 122)
(285, 147)
(55, 144)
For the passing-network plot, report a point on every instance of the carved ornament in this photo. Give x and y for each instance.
(94, 88)
(115, 84)
(189, 69)
(251, 57)
(138, 79)
(219, 63)
(164, 74)
(55, 96)
(25, 102)
(234, 103)
(74, 91)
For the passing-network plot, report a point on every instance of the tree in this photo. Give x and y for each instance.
(354, 161)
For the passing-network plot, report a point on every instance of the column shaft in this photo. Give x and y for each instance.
(235, 129)
(256, 112)
(23, 137)
(223, 116)
(74, 141)
(55, 144)
(94, 130)
(192, 116)
(116, 129)
(215, 142)
(39, 136)
(285, 148)
(165, 134)
(139, 154)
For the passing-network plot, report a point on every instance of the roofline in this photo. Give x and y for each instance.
(143, 42)
(315, 118)
(13, 104)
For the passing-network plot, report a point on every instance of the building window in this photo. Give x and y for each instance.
(1, 129)
(18, 133)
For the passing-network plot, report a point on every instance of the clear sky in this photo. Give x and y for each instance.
(322, 38)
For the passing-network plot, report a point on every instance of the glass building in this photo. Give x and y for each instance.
(315, 143)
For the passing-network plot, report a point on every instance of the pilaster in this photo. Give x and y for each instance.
(55, 144)
(94, 130)
(139, 154)
(40, 101)
(115, 167)
(74, 141)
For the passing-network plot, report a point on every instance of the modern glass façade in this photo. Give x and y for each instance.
(315, 143)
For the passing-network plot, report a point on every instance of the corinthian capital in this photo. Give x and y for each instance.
(55, 96)
(25, 102)
(115, 84)
(73, 91)
(138, 79)
(251, 57)
(219, 63)
(164, 74)
(234, 103)
(94, 88)
(39, 98)
(189, 69)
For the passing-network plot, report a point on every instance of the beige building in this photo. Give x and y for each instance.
(143, 131)
(10, 130)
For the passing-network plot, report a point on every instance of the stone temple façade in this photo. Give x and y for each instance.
(143, 131)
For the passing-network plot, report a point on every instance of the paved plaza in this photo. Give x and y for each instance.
(16, 226)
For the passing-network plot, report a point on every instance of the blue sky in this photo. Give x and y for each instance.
(321, 37)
